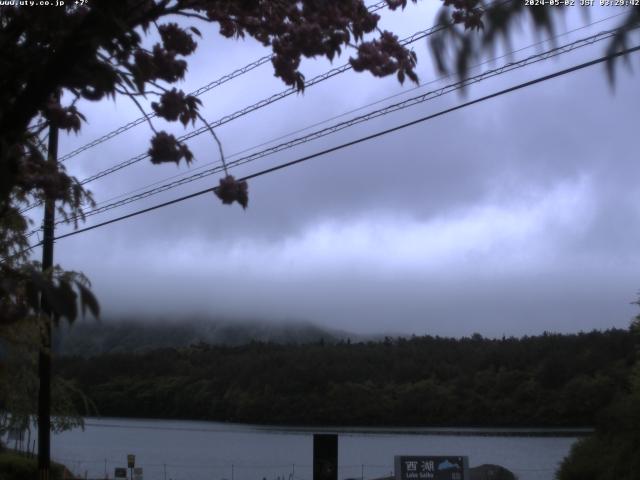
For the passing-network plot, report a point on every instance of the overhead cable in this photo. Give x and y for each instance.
(251, 108)
(260, 104)
(225, 78)
(356, 120)
(362, 139)
(210, 86)
(348, 144)
(343, 114)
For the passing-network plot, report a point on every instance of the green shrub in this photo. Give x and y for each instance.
(613, 452)
(602, 458)
(14, 466)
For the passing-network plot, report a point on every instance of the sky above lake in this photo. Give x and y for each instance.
(514, 216)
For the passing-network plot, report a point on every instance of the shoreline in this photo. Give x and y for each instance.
(390, 430)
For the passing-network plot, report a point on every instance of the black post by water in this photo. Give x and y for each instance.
(44, 356)
(325, 457)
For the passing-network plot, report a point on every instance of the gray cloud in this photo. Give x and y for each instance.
(514, 216)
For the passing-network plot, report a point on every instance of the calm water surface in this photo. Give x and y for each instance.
(215, 451)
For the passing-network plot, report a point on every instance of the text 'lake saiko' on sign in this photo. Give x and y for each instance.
(431, 468)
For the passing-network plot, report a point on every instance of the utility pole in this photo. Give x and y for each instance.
(44, 356)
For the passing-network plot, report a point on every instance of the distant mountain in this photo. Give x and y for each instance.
(89, 338)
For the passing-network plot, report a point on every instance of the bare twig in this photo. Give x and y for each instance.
(146, 116)
(193, 15)
(224, 163)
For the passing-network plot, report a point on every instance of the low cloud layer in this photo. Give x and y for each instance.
(515, 216)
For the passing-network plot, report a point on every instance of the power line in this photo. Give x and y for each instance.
(143, 119)
(407, 103)
(335, 117)
(240, 113)
(357, 120)
(348, 144)
(216, 83)
(362, 139)
(210, 86)
(256, 106)
(262, 103)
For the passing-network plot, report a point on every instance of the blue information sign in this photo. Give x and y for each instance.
(431, 468)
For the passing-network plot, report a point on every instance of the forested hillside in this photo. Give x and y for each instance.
(549, 380)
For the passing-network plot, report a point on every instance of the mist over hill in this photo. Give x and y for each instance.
(128, 335)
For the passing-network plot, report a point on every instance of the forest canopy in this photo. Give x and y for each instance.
(549, 380)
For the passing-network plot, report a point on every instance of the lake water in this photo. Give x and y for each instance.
(184, 450)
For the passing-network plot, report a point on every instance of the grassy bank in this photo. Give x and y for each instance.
(16, 466)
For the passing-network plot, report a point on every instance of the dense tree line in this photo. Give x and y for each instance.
(549, 380)
(613, 451)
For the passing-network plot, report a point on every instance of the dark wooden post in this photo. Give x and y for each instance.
(325, 457)
(44, 356)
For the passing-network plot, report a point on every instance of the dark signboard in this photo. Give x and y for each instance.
(325, 457)
(431, 468)
(121, 473)
(137, 473)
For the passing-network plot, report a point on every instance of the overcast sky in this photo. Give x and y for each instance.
(514, 216)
